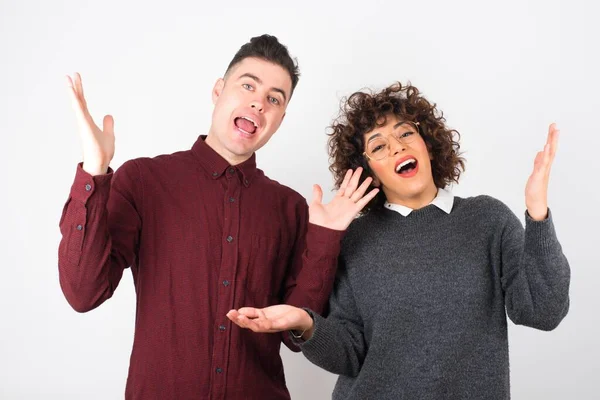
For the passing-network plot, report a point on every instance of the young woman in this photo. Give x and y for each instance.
(426, 280)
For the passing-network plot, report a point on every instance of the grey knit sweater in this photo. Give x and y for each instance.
(420, 302)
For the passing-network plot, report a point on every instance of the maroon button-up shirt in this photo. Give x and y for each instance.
(201, 237)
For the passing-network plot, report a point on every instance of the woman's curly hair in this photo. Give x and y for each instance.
(364, 111)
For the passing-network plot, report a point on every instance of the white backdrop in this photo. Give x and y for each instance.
(500, 71)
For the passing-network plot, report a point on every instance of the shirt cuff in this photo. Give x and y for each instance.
(85, 185)
(323, 241)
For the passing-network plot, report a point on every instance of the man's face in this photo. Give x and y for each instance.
(250, 103)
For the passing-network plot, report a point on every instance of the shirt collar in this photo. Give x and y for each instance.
(444, 200)
(216, 166)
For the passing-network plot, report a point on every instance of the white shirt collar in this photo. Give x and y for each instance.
(444, 201)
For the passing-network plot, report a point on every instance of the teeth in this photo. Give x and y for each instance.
(248, 119)
(405, 162)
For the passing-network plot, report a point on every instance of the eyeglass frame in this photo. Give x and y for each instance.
(416, 124)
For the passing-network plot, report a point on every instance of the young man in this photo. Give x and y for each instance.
(204, 231)
(426, 279)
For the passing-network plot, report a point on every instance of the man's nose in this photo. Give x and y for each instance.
(257, 105)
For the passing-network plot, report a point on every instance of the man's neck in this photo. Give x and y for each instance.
(233, 159)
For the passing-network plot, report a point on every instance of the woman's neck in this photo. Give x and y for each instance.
(416, 201)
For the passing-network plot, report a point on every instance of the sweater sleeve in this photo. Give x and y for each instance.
(338, 344)
(535, 273)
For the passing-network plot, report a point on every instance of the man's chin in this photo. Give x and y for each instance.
(248, 145)
(242, 150)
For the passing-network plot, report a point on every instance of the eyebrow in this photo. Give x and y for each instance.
(379, 134)
(260, 82)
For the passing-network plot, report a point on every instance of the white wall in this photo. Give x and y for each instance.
(501, 73)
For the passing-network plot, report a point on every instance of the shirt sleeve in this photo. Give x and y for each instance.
(311, 275)
(100, 227)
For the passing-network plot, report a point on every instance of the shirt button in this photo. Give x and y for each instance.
(88, 187)
(231, 199)
(230, 239)
(79, 227)
(231, 171)
(221, 328)
(215, 173)
(246, 181)
(219, 370)
(225, 282)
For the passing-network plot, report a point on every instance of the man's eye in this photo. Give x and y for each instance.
(273, 100)
(247, 86)
(407, 134)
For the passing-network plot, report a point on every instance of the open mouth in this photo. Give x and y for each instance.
(246, 124)
(407, 166)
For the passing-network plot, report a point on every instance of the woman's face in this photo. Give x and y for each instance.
(400, 160)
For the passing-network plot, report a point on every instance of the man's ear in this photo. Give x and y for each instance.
(217, 89)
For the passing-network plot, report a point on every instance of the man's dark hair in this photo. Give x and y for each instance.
(268, 48)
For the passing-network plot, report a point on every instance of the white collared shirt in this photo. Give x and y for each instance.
(444, 201)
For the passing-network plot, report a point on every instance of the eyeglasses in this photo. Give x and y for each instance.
(378, 147)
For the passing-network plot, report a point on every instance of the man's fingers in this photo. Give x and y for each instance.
(360, 192)
(317, 194)
(366, 199)
(353, 183)
(69, 80)
(78, 85)
(78, 103)
(345, 183)
(108, 124)
(75, 102)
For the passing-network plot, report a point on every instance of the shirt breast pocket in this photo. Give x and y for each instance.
(265, 271)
